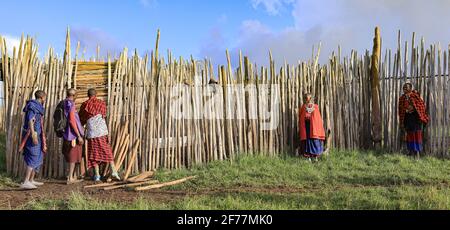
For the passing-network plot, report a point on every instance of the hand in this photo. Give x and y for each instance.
(45, 149)
(80, 140)
(35, 138)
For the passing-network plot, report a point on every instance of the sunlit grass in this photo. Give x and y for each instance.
(343, 180)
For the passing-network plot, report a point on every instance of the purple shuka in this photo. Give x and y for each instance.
(69, 134)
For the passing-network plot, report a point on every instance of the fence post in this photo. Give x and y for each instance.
(375, 83)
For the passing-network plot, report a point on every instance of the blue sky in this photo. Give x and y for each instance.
(205, 28)
(185, 25)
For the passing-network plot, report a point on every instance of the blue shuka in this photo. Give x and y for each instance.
(312, 146)
(33, 154)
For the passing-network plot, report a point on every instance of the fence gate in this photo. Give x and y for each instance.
(92, 75)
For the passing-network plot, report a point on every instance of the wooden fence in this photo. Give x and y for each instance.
(147, 135)
(2, 115)
(2, 103)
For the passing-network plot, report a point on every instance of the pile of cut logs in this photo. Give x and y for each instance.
(141, 182)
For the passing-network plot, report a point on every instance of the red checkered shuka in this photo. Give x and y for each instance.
(418, 104)
(92, 108)
(99, 151)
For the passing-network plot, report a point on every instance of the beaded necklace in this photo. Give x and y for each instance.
(310, 108)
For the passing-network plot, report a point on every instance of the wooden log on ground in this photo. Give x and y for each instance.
(130, 185)
(142, 176)
(175, 182)
(104, 185)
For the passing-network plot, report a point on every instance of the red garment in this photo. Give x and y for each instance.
(415, 137)
(73, 121)
(418, 104)
(99, 151)
(44, 137)
(317, 129)
(92, 108)
(72, 154)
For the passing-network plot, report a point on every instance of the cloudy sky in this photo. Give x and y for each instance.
(205, 28)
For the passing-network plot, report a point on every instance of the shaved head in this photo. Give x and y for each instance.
(92, 93)
(40, 94)
(71, 92)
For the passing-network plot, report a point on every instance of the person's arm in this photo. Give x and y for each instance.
(44, 137)
(300, 111)
(401, 111)
(31, 120)
(73, 122)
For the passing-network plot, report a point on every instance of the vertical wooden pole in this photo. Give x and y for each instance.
(375, 83)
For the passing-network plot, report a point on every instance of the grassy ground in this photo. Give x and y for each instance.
(4, 180)
(343, 180)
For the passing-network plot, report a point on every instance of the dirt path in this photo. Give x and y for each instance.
(13, 198)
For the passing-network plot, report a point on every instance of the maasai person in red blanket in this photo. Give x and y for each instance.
(93, 114)
(33, 145)
(73, 137)
(312, 132)
(413, 117)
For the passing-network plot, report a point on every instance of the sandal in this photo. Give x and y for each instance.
(97, 179)
(75, 181)
(115, 176)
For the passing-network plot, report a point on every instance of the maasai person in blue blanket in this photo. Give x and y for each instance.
(33, 145)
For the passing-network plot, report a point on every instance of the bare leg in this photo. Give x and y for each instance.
(114, 174)
(71, 177)
(113, 167)
(97, 177)
(28, 174)
(27, 184)
(71, 170)
(97, 171)
(33, 174)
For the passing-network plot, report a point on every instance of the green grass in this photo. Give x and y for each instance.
(2, 152)
(343, 180)
(4, 180)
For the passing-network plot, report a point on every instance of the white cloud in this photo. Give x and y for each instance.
(11, 42)
(89, 38)
(348, 23)
(272, 7)
(290, 44)
(213, 47)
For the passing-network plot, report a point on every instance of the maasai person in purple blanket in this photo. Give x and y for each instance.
(33, 144)
(73, 137)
